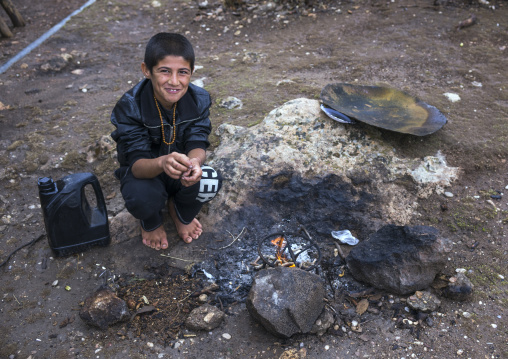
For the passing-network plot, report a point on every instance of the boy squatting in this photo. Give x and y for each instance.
(162, 129)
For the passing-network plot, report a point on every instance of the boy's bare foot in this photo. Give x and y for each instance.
(187, 232)
(156, 239)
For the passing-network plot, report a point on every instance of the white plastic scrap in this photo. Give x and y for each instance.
(345, 237)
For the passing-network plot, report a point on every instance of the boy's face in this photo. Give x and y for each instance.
(170, 79)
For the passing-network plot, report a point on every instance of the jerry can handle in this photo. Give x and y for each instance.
(101, 204)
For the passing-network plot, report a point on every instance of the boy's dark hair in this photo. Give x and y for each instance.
(164, 44)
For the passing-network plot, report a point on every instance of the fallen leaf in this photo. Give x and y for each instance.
(4, 107)
(145, 309)
(362, 306)
(66, 322)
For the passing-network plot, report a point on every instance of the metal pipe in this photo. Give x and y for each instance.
(43, 38)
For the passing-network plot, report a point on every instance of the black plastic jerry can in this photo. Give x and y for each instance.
(72, 224)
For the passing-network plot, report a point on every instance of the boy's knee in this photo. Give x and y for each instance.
(209, 185)
(143, 197)
(138, 207)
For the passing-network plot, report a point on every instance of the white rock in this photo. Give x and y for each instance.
(448, 194)
(226, 336)
(453, 97)
(55, 283)
(231, 103)
(285, 81)
(199, 82)
(149, 344)
(494, 326)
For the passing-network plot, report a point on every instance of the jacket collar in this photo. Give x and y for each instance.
(186, 108)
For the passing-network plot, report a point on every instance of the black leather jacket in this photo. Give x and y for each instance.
(138, 125)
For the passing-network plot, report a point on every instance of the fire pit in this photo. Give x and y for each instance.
(291, 250)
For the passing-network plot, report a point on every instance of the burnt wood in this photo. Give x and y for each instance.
(13, 13)
(4, 29)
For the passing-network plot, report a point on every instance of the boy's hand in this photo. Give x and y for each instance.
(193, 173)
(175, 164)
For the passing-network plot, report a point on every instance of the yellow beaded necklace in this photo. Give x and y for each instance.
(162, 123)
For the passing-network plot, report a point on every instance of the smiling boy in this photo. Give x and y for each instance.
(162, 129)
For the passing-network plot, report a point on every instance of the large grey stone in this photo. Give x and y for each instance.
(286, 301)
(298, 138)
(399, 259)
(103, 309)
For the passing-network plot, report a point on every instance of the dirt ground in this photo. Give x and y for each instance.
(49, 118)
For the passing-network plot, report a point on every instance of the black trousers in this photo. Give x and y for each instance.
(146, 198)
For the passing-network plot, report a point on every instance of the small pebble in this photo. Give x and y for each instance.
(448, 194)
(466, 315)
(327, 347)
(226, 336)
(55, 283)
(149, 344)
(494, 326)
(460, 351)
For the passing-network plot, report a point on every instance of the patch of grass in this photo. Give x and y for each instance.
(487, 276)
(488, 212)
(36, 111)
(31, 162)
(45, 293)
(33, 317)
(66, 272)
(487, 193)
(255, 123)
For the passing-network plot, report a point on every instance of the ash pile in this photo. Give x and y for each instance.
(289, 206)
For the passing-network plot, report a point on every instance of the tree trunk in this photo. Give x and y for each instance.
(4, 29)
(14, 14)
